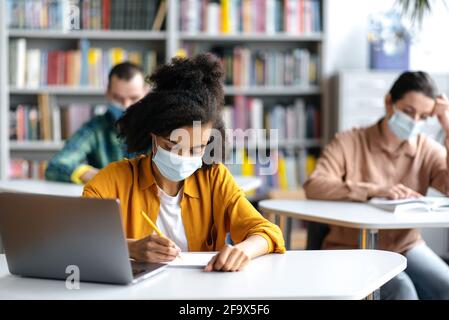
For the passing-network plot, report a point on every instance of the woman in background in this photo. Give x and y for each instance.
(392, 159)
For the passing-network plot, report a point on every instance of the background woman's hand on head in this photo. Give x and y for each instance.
(441, 110)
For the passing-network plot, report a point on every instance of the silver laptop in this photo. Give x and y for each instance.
(52, 236)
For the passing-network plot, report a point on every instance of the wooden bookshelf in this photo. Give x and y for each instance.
(168, 41)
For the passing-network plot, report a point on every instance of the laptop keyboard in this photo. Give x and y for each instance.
(137, 271)
(141, 268)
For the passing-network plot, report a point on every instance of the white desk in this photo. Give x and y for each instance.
(42, 187)
(248, 183)
(70, 189)
(335, 274)
(354, 215)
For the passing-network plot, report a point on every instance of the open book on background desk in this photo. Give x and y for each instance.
(417, 205)
(192, 259)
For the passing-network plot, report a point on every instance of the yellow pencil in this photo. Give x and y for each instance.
(152, 225)
(155, 228)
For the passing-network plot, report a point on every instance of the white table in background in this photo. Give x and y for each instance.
(354, 215)
(70, 189)
(42, 187)
(248, 183)
(335, 274)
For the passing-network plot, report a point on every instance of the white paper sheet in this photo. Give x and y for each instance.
(193, 259)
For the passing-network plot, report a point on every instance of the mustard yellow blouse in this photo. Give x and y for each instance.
(212, 205)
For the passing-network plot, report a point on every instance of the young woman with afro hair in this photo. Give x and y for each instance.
(178, 179)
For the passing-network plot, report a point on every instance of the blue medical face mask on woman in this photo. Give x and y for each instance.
(175, 167)
(403, 126)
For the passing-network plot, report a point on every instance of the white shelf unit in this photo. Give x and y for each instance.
(88, 34)
(35, 145)
(291, 144)
(168, 41)
(273, 91)
(260, 37)
(58, 90)
(229, 90)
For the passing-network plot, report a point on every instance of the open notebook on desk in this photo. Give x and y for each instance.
(424, 204)
(192, 259)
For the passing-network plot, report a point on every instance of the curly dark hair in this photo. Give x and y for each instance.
(183, 91)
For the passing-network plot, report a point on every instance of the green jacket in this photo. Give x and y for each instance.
(95, 144)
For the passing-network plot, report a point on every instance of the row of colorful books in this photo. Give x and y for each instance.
(27, 169)
(47, 121)
(252, 67)
(278, 170)
(250, 16)
(43, 122)
(85, 66)
(87, 14)
(299, 120)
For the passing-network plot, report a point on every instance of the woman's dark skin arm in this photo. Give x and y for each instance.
(235, 258)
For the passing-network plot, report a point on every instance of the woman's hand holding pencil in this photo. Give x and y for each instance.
(155, 248)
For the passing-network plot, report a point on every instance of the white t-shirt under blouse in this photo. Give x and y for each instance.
(169, 220)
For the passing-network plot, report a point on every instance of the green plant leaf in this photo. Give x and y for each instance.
(415, 9)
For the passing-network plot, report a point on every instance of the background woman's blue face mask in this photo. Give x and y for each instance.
(403, 126)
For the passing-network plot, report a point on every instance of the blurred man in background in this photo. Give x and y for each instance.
(95, 144)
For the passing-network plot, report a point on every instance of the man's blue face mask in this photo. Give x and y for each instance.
(116, 109)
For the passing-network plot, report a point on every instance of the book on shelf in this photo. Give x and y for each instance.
(291, 171)
(32, 122)
(62, 15)
(307, 163)
(160, 16)
(33, 14)
(412, 205)
(296, 121)
(26, 169)
(273, 67)
(294, 17)
(17, 62)
(73, 116)
(45, 120)
(24, 123)
(48, 122)
(85, 66)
